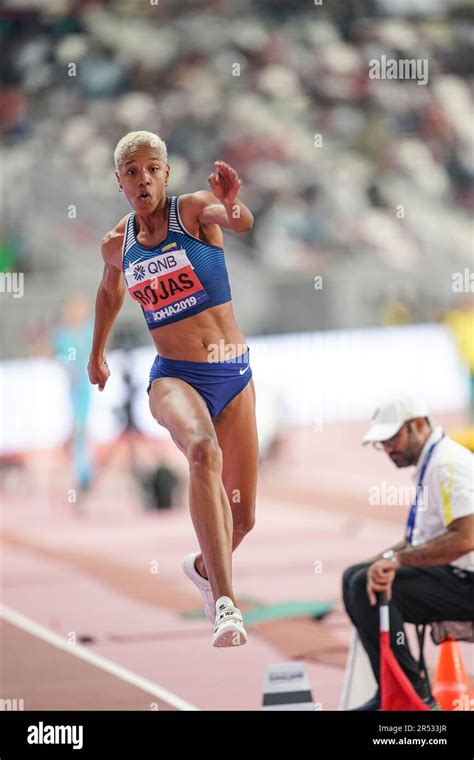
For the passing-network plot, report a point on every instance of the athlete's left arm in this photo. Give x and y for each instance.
(222, 206)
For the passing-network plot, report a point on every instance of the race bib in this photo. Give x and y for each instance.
(165, 285)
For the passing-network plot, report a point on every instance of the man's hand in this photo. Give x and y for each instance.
(380, 576)
(225, 183)
(98, 371)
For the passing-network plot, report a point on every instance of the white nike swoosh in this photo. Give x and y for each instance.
(241, 372)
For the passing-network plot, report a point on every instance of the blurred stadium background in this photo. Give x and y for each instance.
(362, 195)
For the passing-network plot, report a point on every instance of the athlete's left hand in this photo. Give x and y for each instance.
(225, 183)
(380, 576)
(99, 372)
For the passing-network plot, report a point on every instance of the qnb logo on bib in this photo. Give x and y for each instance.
(139, 272)
(165, 285)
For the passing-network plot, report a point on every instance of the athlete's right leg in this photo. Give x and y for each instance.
(182, 411)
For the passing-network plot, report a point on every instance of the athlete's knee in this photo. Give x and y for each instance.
(204, 452)
(244, 523)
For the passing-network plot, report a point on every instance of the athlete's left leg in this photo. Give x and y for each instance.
(236, 431)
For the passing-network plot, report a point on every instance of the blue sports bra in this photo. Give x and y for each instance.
(177, 278)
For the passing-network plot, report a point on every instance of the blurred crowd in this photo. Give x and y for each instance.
(333, 162)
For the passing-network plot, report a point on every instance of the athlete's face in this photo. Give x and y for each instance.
(143, 176)
(405, 447)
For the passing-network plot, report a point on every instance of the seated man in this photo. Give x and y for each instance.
(429, 576)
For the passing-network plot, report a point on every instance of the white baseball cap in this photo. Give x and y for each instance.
(389, 417)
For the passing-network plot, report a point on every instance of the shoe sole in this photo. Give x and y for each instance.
(230, 636)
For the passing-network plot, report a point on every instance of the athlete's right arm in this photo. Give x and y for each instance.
(110, 296)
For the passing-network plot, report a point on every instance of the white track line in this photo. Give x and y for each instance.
(30, 626)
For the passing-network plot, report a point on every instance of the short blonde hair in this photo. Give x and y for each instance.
(134, 140)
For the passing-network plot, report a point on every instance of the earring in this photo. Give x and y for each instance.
(120, 189)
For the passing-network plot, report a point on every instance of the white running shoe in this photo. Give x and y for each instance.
(229, 629)
(203, 585)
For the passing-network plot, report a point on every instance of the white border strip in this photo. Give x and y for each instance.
(30, 626)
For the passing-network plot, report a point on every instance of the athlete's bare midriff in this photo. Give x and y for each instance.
(198, 338)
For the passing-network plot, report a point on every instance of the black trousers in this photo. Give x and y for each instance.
(419, 595)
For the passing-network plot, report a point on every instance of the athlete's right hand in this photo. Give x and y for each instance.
(99, 372)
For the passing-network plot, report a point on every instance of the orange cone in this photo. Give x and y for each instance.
(452, 688)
